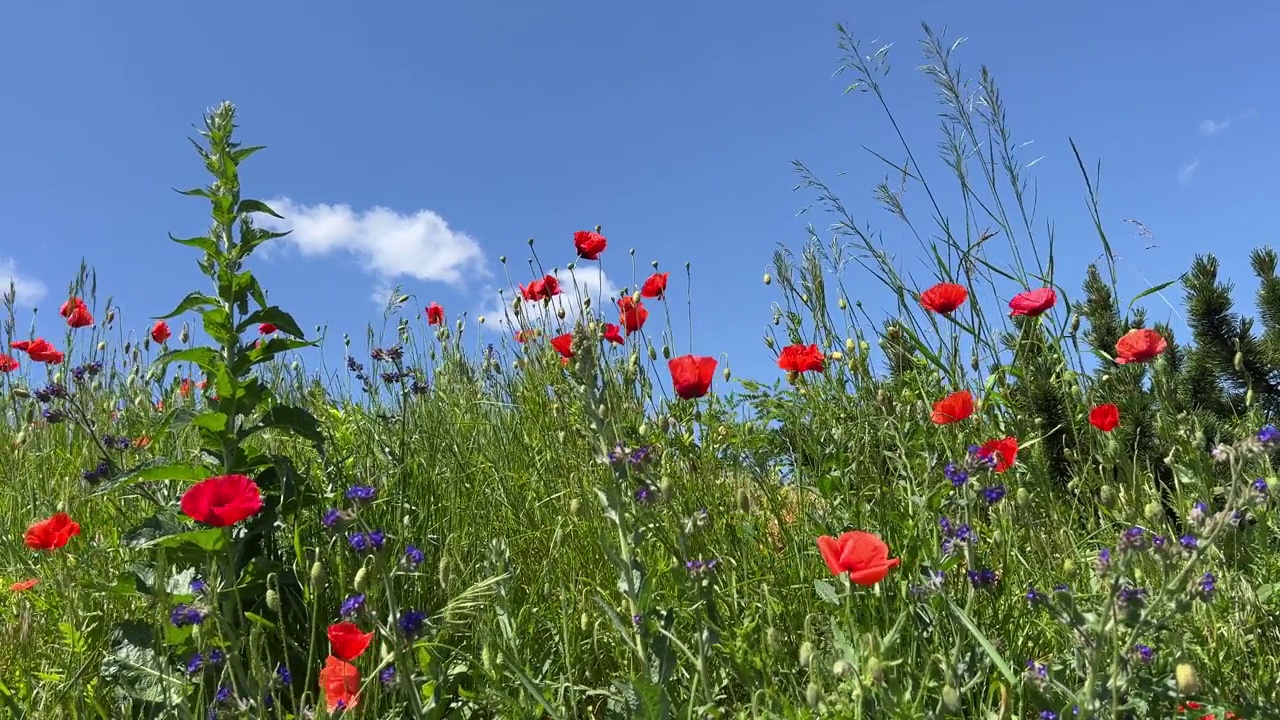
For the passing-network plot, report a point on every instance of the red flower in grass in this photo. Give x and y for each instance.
(435, 314)
(266, 329)
(340, 684)
(1105, 417)
(524, 336)
(1003, 452)
(7, 363)
(944, 297)
(655, 286)
(1138, 346)
(632, 314)
(861, 554)
(1193, 705)
(563, 345)
(42, 350)
(1032, 302)
(589, 244)
(544, 288)
(347, 641)
(160, 332)
(691, 375)
(24, 585)
(953, 408)
(184, 387)
(20, 345)
(51, 533)
(76, 313)
(222, 501)
(613, 334)
(801, 358)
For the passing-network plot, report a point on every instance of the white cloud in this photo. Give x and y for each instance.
(583, 282)
(1188, 171)
(1209, 128)
(27, 291)
(420, 245)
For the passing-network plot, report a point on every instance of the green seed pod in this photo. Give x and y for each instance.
(1107, 497)
(1152, 511)
(768, 280)
(273, 593)
(102, 346)
(1023, 498)
(667, 487)
(841, 668)
(1075, 324)
(1239, 361)
(111, 316)
(653, 354)
(362, 579)
(666, 352)
(584, 622)
(844, 304)
(951, 699)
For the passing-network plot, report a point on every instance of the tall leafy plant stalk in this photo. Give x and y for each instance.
(231, 573)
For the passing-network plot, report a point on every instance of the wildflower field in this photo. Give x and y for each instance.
(1009, 496)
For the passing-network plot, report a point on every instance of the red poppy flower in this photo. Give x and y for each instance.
(1003, 451)
(24, 585)
(544, 288)
(613, 334)
(633, 314)
(953, 408)
(944, 297)
(266, 329)
(20, 345)
(51, 533)
(160, 332)
(7, 363)
(801, 358)
(861, 554)
(76, 313)
(347, 641)
(42, 350)
(340, 684)
(655, 286)
(691, 375)
(589, 244)
(1140, 345)
(142, 441)
(222, 501)
(1105, 417)
(563, 345)
(204, 382)
(1032, 302)
(184, 388)
(435, 314)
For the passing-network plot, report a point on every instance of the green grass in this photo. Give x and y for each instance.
(538, 553)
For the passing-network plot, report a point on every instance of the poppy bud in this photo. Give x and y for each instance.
(768, 342)
(841, 668)
(575, 507)
(864, 347)
(57, 377)
(480, 319)
(792, 376)
(767, 279)
(1107, 497)
(773, 638)
(1023, 497)
(502, 259)
(951, 699)
(127, 346)
(653, 354)
(666, 424)
(444, 571)
(584, 622)
(1239, 361)
(102, 346)
(744, 501)
(20, 438)
(973, 362)
(1152, 511)
(346, 340)
(813, 695)
(837, 355)
(844, 304)
(727, 374)
(1075, 324)
(571, 267)
(806, 653)
(317, 577)
(635, 297)
(111, 316)
(1248, 396)
(1188, 682)
(667, 488)
(273, 600)
(666, 352)
(894, 332)
(586, 303)
(560, 313)
(804, 299)
(644, 429)
(185, 333)
(362, 579)
(875, 671)
(530, 242)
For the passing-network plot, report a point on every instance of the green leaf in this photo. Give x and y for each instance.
(193, 301)
(135, 670)
(153, 470)
(251, 238)
(206, 244)
(159, 525)
(1153, 290)
(213, 421)
(195, 192)
(240, 154)
(826, 592)
(274, 315)
(252, 206)
(207, 539)
(259, 620)
(205, 358)
(287, 417)
(996, 658)
(217, 323)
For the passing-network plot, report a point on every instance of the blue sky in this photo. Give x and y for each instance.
(444, 135)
